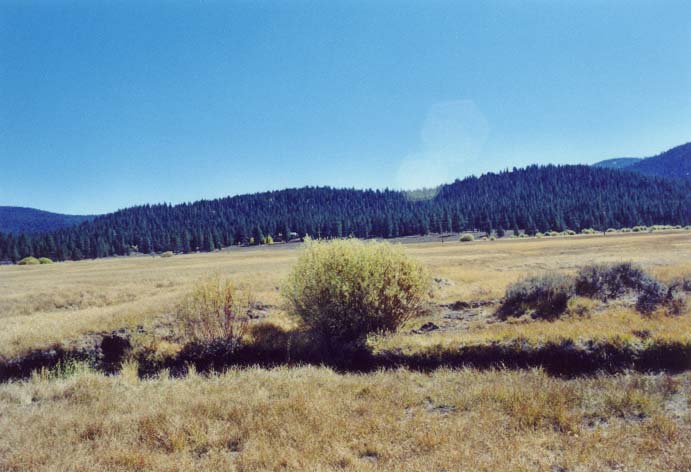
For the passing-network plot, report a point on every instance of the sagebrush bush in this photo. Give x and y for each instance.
(608, 281)
(167, 254)
(29, 261)
(45, 260)
(467, 238)
(344, 290)
(684, 283)
(545, 296)
(651, 296)
(676, 302)
(214, 311)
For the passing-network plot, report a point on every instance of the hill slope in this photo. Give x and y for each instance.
(535, 198)
(29, 220)
(618, 162)
(674, 163)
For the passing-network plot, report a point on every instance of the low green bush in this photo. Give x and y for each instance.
(545, 296)
(29, 261)
(639, 229)
(467, 238)
(611, 230)
(344, 290)
(588, 231)
(45, 260)
(625, 230)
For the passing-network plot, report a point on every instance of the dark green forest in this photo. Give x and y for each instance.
(19, 220)
(674, 163)
(537, 198)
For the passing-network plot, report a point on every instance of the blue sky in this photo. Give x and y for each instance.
(104, 105)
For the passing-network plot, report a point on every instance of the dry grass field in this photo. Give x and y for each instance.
(317, 418)
(48, 304)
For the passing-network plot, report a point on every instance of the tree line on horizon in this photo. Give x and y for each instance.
(536, 198)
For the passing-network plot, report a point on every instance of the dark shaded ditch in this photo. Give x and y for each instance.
(106, 352)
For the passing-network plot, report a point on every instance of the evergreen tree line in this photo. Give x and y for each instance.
(537, 198)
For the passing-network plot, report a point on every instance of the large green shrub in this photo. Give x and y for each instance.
(466, 238)
(545, 296)
(346, 289)
(45, 260)
(29, 261)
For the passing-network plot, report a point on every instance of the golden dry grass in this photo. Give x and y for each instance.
(48, 304)
(315, 419)
(311, 418)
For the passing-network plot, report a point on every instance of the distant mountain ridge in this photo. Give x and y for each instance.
(535, 198)
(613, 193)
(618, 162)
(674, 163)
(17, 220)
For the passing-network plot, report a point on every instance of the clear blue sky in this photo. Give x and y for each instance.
(103, 107)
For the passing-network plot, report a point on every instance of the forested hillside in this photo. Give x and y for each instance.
(618, 162)
(29, 220)
(674, 163)
(535, 198)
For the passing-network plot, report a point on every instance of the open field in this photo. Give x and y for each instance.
(318, 418)
(43, 305)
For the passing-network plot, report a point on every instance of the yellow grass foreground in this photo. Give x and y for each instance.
(315, 419)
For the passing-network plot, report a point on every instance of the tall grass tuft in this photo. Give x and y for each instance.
(214, 311)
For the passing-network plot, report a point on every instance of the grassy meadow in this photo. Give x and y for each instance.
(311, 417)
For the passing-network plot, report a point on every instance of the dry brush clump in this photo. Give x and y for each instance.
(214, 311)
(344, 290)
(547, 296)
(608, 281)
